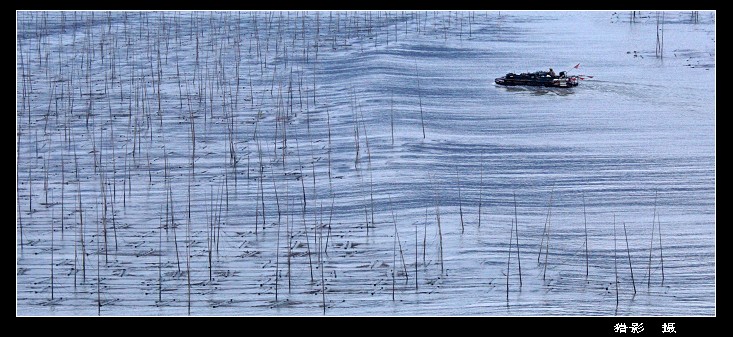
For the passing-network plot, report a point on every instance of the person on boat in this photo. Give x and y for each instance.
(552, 73)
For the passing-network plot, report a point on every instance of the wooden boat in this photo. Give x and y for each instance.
(539, 78)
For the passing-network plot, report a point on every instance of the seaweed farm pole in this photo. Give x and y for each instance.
(357, 142)
(315, 63)
(169, 202)
(188, 262)
(480, 189)
(188, 221)
(628, 252)
(81, 223)
(23, 92)
(287, 231)
(391, 117)
(160, 255)
(52, 254)
(114, 224)
(470, 15)
(657, 50)
(399, 242)
(277, 253)
(615, 268)
(416, 257)
(302, 185)
(78, 195)
(45, 179)
(17, 194)
(330, 220)
(257, 204)
(394, 261)
(547, 246)
(460, 23)
(516, 228)
(305, 229)
(460, 203)
(262, 192)
(99, 296)
(425, 237)
(508, 259)
(651, 245)
(210, 227)
(366, 211)
(259, 184)
(661, 48)
(585, 224)
(63, 182)
(320, 254)
(544, 232)
(102, 182)
(30, 180)
(419, 95)
(661, 253)
(328, 120)
(369, 168)
(440, 232)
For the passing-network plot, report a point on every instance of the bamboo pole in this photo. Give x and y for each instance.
(516, 228)
(651, 245)
(585, 225)
(628, 252)
(615, 268)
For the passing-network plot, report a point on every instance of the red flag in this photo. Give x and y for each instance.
(576, 66)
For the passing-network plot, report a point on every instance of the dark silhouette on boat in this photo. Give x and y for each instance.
(539, 78)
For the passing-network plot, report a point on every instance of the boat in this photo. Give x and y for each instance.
(539, 78)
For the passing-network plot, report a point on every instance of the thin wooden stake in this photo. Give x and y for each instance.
(419, 95)
(547, 246)
(460, 203)
(516, 228)
(615, 268)
(651, 245)
(628, 252)
(585, 225)
(661, 253)
(508, 259)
